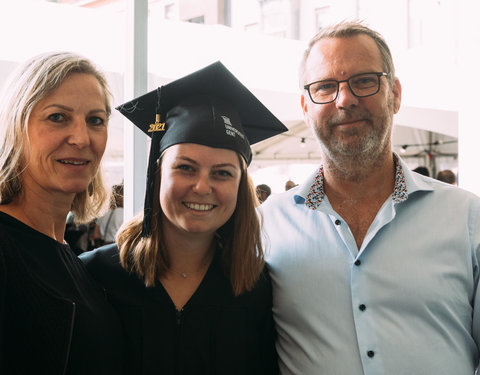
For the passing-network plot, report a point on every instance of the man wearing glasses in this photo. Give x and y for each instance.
(375, 269)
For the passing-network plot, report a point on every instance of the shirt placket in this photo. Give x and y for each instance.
(367, 342)
(370, 352)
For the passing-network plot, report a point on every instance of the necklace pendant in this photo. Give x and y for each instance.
(184, 275)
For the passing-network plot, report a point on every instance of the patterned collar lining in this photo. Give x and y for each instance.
(317, 193)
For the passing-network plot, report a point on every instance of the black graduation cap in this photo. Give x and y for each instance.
(210, 107)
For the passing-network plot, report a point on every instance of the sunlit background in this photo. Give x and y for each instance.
(435, 44)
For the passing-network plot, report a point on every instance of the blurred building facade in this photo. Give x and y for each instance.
(418, 24)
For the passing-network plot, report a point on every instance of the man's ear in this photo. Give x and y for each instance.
(397, 95)
(303, 101)
(303, 104)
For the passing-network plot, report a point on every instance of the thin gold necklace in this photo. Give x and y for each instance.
(202, 266)
(183, 274)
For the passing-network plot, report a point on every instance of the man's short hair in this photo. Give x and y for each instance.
(422, 170)
(347, 29)
(447, 176)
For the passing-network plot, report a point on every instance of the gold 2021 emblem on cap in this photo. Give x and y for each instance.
(158, 126)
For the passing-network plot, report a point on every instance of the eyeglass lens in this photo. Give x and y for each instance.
(360, 85)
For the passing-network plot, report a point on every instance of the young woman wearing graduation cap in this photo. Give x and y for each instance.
(188, 275)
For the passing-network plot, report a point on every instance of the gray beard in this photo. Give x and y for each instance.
(354, 162)
(353, 167)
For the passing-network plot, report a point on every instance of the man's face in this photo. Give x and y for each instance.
(350, 127)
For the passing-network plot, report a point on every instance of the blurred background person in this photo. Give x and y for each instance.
(447, 176)
(55, 319)
(106, 226)
(289, 184)
(77, 234)
(263, 192)
(422, 170)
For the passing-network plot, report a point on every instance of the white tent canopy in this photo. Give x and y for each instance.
(267, 65)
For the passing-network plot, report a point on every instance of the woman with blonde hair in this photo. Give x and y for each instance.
(53, 131)
(188, 274)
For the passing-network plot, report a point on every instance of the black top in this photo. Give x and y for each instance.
(54, 318)
(214, 333)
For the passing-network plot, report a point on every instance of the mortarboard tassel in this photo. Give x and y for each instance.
(156, 130)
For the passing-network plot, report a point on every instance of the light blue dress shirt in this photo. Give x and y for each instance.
(404, 304)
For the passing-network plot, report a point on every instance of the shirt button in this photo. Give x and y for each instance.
(362, 307)
(337, 222)
(371, 353)
(358, 262)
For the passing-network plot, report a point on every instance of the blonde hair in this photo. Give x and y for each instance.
(27, 85)
(242, 254)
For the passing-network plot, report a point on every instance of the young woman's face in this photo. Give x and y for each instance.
(199, 187)
(67, 132)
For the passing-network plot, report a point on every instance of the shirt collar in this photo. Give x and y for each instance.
(406, 182)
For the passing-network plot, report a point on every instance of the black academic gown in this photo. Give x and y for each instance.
(215, 333)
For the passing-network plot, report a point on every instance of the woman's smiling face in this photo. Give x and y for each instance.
(66, 137)
(199, 187)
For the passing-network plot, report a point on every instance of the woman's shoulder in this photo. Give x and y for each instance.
(10, 248)
(261, 293)
(4, 234)
(105, 257)
(122, 286)
(104, 265)
(264, 281)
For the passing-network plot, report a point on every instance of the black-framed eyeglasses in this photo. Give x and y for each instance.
(361, 85)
